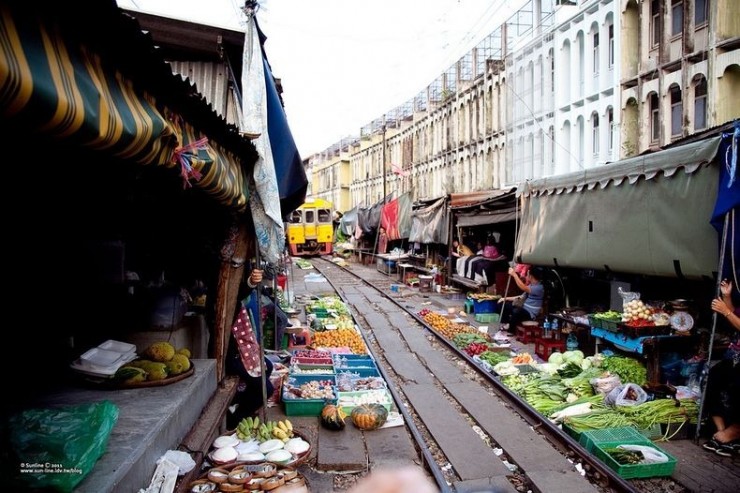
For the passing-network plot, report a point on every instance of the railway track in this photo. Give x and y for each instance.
(472, 432)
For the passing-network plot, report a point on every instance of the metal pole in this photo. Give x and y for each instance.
(384, 174)
(263, 369)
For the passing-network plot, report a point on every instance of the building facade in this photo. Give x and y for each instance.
(559, 87)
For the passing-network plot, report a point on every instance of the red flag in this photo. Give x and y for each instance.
(398, 170)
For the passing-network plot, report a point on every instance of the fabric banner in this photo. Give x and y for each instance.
(348, 222)
(265, 203)
(396, 217)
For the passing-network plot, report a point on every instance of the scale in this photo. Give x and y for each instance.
(681, 320)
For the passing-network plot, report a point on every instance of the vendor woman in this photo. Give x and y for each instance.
(527, 306)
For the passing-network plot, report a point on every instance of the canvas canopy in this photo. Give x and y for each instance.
(58, 84)
(395, 217)
(430, 224)
(645, 215)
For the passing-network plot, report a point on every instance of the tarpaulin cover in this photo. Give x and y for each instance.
(727, 207)
(396, 217)
(430, 224)
(645, 215)
(61, 88)
(348, 222)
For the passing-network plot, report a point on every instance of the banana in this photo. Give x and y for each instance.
(256, 423)
(249, 422)
(283, 426)
(289, 425)
(278, 433)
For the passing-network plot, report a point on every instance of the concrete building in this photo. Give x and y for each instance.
(561, 86)
(680, 69)
(330, 174)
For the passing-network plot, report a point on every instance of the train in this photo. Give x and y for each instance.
(310, 229)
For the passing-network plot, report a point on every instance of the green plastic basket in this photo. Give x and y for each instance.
(486, 318)
(576, 435)
(629, 471)
(589, 439)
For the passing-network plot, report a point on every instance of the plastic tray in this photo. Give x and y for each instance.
(486, 318)
(326, 369)
(628, 471)
(101, 357)
(118, 346)
(306, 407)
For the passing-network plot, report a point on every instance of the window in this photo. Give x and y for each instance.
(701, 12)
(700, 104)
(610, 129)
(596, 53)
(595, 133)
(654, 118)
(611, 46)
(676, 18)
(552, 71)
(676, 110)
(655, 23)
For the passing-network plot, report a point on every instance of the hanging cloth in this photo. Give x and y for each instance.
(246, 343)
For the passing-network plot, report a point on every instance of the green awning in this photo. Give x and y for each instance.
(64, 89)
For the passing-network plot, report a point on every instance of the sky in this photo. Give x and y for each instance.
(344, 63)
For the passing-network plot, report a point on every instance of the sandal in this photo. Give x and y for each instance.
(712, 445)
(725, 450)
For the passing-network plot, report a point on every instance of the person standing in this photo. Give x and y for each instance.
(527, 306)
(723, 385)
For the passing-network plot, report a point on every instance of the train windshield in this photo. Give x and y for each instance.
(324, 215)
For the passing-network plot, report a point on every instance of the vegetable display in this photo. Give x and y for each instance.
(369, 416)
(628, 369)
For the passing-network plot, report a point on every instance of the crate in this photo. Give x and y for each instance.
(575, 435)
(629, 471)
(594, 322)
(383, 398)
(589, 439)
(545, 347)
(486, 318)
(363, 367)
(306, 407)
(484, 306)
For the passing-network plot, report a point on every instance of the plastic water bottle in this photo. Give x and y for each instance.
(546, 327)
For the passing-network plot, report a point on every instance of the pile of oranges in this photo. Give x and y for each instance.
(341, 338)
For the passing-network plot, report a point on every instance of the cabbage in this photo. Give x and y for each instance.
(573, 357)
(549, 368)
(586, 364)
(556, 358)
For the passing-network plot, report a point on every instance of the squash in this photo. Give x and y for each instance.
(332, 417)
(369, 416)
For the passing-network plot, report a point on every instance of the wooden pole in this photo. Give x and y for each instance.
(229, 278)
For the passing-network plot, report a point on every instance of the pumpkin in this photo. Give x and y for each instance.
(332, 417)
(369, 416)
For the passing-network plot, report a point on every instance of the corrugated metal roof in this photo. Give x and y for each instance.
(470, 199)
(690, 157)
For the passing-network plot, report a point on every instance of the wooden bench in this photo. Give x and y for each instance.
(464, 281)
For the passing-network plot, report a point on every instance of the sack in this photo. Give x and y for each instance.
(490, 251)
(651, 455)
(74, 436)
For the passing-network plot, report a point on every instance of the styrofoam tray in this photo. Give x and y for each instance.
(101, 357)
(118, 346)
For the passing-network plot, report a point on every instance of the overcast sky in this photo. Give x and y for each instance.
(343, 63)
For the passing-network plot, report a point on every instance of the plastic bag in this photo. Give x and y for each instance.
(58, 447)
(629, 394)
(651, 455)
(606, 384)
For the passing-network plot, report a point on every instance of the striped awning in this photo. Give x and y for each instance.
(52, 85)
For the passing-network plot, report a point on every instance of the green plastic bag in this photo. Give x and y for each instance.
(57, 447)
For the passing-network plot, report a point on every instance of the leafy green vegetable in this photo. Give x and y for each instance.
(629, 369)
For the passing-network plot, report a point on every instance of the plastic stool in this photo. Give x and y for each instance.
(468, 306)
(527, 333)
(304, 337)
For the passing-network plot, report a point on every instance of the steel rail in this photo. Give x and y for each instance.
(431, 463)
(537, 420)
